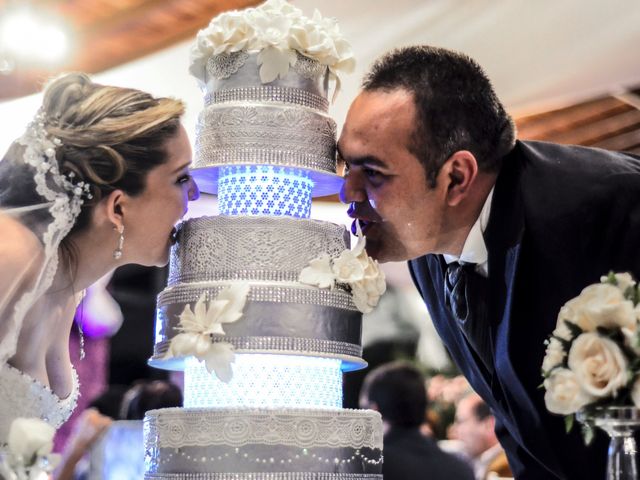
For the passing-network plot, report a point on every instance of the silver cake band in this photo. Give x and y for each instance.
(263, 476)
(268, 93)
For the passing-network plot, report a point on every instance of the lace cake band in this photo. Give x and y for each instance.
(268, 93)
(270, 249)
(242, 132)
(301, 428)
(263, 476)
(228, 71)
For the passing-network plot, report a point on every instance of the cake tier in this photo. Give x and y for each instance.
(281, 314)
(282, 123)
(263, 444)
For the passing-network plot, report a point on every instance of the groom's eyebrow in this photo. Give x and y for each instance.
(368, 160)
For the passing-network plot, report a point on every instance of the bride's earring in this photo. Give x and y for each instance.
(81, 337)
(117, 253)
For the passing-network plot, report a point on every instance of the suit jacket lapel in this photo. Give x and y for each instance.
(504, 236)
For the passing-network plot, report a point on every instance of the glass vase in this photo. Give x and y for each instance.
(620, 423)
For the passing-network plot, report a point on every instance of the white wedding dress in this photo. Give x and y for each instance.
(23, 396)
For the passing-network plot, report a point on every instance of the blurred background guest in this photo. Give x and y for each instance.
(474, 427)
(397, 391)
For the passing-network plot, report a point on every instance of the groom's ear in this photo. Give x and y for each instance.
(460, 171)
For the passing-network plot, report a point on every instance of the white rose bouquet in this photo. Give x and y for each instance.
(593, 355)
(28, 453)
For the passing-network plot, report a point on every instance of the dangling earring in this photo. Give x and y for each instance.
(81, 337)
(117, 253)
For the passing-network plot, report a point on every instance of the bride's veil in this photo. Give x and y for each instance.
(38, 208)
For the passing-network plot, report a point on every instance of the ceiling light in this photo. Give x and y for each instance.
(33, 37)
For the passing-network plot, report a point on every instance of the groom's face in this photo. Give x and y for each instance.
(386, 185)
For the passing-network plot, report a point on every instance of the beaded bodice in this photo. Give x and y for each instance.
(23, 396)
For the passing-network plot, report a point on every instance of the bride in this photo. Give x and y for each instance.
(98, 180)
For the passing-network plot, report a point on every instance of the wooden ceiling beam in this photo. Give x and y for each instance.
(623, 142)
(542, 125)
(589, 133)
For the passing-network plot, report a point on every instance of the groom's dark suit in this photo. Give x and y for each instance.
(560, 218)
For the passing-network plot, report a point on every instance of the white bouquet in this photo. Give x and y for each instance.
(593, 355)
(28, 455)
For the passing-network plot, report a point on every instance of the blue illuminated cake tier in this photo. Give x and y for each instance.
(267, 444)
(282, 315)
(281, 124)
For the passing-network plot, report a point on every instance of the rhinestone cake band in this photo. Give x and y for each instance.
(268, 93)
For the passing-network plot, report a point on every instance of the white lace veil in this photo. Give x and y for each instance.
(36, 200)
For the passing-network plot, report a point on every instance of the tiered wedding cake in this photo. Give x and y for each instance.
(264, 306)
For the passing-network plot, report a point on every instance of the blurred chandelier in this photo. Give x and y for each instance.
(31, 37)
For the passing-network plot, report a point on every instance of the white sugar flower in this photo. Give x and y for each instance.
(197, 328)
(319, 273)
(352, 267)
(276, 30)
(347, 268)
(274, 62)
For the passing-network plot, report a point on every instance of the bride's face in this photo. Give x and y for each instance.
(152, 215)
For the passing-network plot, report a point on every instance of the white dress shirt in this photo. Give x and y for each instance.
(475, 248)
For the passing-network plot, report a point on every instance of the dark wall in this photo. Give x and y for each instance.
(135, 288)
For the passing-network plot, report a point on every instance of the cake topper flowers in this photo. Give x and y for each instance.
(354, 268)
(199, 326)
(593, 356)
(276, 30)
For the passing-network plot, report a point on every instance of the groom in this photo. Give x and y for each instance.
(499, 233)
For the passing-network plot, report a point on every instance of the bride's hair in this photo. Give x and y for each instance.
(111, 137)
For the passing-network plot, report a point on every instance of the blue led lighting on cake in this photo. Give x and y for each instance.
(264, 190)
(265, 381)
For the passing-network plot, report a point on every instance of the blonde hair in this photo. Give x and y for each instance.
(111, 138)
